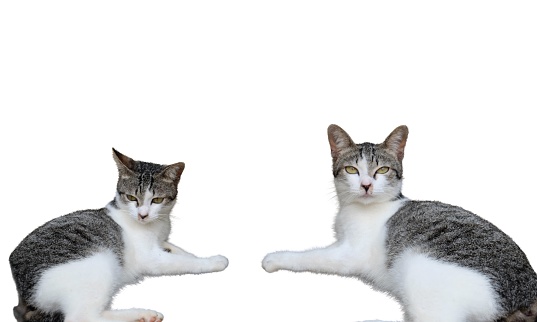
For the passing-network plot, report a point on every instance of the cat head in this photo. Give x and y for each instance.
(146, 190)
(367, 173)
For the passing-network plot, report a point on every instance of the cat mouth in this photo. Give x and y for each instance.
(143, 219)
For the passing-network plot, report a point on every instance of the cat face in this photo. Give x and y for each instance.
(367, 173)
(146, 190)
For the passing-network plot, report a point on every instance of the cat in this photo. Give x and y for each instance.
(70, 268)
(440, 262)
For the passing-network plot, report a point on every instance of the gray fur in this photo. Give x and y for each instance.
(135, 177)
(444, 232)
(83, 233)
(64, 239)
(452, 234)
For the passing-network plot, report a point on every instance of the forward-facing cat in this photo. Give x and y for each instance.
(440, 262)
(70, 268)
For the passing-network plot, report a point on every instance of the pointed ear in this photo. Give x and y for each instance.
(396, 142)
(339, 141)
(172, 172)
(123, 162)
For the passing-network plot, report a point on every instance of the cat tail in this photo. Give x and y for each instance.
(527, 315)
(27, 313)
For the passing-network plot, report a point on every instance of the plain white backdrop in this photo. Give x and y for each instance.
(242, 92)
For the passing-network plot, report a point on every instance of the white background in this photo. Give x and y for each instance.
(242, 92)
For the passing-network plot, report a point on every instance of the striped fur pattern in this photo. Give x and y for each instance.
(440, 262)
(70, 268)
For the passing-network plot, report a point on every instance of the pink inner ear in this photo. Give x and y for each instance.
(333, 145)
(173, 172)
(338, 139)
(396, 142)
(123, 159)
(334, 153)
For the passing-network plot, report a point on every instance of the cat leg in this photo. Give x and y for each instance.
(139, 315)
(162, 262)
(80, 289)
(527, 315)
(171, 248)
(432, 290)
(83, 289)
(334, 259)
(22, 310)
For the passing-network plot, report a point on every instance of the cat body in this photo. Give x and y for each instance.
(440, 262)
(70, 268)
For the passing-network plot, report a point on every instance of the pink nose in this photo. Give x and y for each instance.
(366, 187)
(143, 212)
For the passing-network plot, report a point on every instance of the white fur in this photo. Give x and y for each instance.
(359, 249)
(83, 289)
(432, 290)
(88, 282)
(145, 255)
(428, 289)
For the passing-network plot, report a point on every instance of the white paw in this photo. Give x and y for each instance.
(150, 316)
(270, 262)
(219, 263)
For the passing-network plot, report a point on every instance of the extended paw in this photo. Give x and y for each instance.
(151, 316)
(270, 263)
(218, 263)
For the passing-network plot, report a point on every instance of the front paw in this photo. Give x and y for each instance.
(270, 262)
(218, 263)
(151, 316)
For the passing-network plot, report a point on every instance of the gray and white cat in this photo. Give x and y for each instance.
(70, 268)
(440, 262)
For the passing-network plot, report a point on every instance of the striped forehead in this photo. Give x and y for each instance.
(145, 182)
(146, 175)
(367, 152)
(364, 151)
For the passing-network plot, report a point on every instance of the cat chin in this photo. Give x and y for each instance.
(369, 200)
(366, 200)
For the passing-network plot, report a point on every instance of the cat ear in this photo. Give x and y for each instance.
(339, 141)
(172, 172)
(124, 163)
(396, 141)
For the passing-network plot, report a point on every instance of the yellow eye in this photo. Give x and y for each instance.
(383, 170)
(351, 170)
(158, 200)
(131, 198)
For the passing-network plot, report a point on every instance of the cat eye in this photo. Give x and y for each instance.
(383, 170)
(131, 198)
(351, 170)
(157, 200)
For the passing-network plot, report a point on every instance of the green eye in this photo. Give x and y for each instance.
(383, 170)
(351, 170)
(131, 198)
(158, 200)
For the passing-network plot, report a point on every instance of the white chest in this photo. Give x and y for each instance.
(141, 241)
(362, 229)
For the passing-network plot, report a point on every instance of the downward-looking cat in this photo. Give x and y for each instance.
(70, 268)
(440, 262)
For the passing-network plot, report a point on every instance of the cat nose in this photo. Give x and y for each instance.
(366, 187)
(143, 212)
